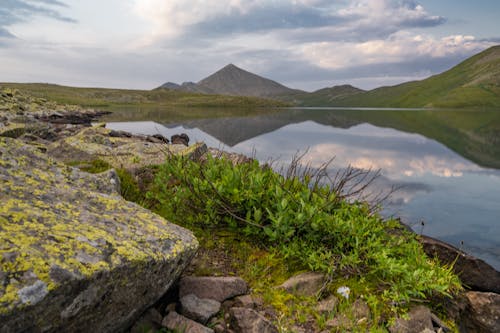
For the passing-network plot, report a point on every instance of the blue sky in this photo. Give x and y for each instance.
(305, 44)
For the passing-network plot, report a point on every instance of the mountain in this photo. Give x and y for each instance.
(473, 82)
(232, 80)
(323, 96)
(187, 87)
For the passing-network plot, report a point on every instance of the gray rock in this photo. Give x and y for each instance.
(473, 272)
(180, 139)
(245, 320)
(176, 322)
(305, 284)
(82, 256)
(327, 305)
(216, 288)
(199, 309)
(359, 316)
(482, 313)
(419, 320)
(246, 301)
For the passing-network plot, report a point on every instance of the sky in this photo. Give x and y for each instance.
(304, 44)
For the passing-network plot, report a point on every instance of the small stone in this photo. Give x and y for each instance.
(327, 305)
(216, 288)
(305, 284)
(419, 320)
(219, 328)
(360, 310)
(182, 139)
(176, 322)
(245, 320)
(245, 301)
(340, 321)
(199, 309)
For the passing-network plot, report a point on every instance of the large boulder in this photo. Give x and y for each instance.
(74, 255)
(473, 272)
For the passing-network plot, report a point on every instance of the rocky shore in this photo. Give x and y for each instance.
(76, 256)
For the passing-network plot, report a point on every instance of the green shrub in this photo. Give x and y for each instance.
(308, 223)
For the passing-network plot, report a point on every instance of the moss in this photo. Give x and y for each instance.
(52, 215)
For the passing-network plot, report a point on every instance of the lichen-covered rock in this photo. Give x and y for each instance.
(74, 255)
(119, 151)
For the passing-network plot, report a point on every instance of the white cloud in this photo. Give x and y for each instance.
(398, 47)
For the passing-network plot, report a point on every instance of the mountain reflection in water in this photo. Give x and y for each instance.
(457, 199)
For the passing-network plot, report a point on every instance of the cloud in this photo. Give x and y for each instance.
(321, 20)
(15, 11)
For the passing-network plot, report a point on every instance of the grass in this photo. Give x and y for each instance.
(473, 83)
(282, 225)
(104, 98)
(382, 265)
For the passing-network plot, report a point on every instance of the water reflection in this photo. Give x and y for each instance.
(457, 199)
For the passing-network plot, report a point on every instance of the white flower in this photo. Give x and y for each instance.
(344, 291)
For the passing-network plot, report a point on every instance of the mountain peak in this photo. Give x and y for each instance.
(232, 80)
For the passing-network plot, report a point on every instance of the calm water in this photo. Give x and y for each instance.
(445, 163)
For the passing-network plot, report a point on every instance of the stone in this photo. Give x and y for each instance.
(161, 138)
(199, 309)
(419, 320)
(245, 320)
(74, 249)
(327, 305)
(359, 315)
(216, 288)
(176, 322)
(246, 301)
(305, 284)
(360, 310)
(131, 153)
(482, 313)
(339, 322)
(180, 139)
(473, 272)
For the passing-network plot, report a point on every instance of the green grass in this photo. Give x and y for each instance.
(101, 97)
(473, 83)
(304, 227)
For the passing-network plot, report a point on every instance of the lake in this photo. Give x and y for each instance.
(445, 164)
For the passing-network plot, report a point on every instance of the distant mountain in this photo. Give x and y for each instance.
(323, 96)
(474, 82)
(232, 80)
(187, 87)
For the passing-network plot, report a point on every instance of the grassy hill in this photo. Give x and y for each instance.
(472, 83)
(100, 97)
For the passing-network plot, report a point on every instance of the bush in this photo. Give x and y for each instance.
(308, 222)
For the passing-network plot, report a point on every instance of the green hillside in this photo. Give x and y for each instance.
(473, 83)
(101, 97)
